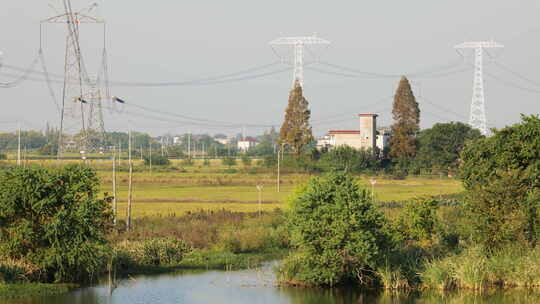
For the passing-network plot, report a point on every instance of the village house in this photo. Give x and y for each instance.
(247, 143)
(366, 137)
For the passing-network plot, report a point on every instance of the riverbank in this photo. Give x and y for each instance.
(25, 290)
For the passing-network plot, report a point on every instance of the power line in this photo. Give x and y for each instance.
(503, 67)
(512, 84)
(322, 119)
(197, 119)
(218, 79)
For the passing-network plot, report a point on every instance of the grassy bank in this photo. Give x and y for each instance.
(22, 290)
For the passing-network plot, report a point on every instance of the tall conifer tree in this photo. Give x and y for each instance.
(296, 131)
(406, 125)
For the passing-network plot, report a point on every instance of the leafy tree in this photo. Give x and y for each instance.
(296, 131)
(54, 220)
(440, 145)
(406, 122)
(339, 235)
(30, 139)
(267, 144)
(501, 174)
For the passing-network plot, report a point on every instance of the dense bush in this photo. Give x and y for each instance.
(157, 160)
(152, 252)
(53, 219)
(349, 160)
(338, 234)
(419, 219)
(501, 174)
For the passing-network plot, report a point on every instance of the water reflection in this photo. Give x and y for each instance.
(254, 286)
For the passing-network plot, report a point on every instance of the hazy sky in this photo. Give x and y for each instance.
(171, 40)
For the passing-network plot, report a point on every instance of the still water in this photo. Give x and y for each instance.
(250, 286)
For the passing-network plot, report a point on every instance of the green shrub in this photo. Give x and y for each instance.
(339, 235)
(438, 274)
(157, 160)
(348, 159)
(3, 156)
(250, 239)
(53, 219)
(152, 252)
(419, 219)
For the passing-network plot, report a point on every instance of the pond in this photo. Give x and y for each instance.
(250, 286)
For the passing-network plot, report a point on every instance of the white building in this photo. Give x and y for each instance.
(223, 141)
(247, 143)
(383, 138)
(366, 137)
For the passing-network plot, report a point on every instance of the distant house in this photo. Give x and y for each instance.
(177, 140)
(247, 143)
(383, 138)
(366, 137)
(223, 141)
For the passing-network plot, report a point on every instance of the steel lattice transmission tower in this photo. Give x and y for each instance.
(477, 117)
(81, 110)
(299, 43)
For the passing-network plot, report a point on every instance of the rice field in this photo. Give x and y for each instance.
(178, 189)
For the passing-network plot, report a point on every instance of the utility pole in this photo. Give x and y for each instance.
(141, 152)
(298, 43)
(120, 152)
(19, 145)
(150, 157)
(189, 146)
(477, 117)
(278, 169)
(373, 182)
(162, 152)
(114, 185)
(260, 188)
(130, 188)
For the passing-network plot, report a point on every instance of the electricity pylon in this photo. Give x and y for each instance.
(299, 43)
(81, 101)
(477, 117)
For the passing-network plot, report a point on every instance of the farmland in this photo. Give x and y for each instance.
(177, 189)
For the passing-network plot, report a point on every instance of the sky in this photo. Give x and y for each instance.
(175, 41)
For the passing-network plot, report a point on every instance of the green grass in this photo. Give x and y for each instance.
(24, 290)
